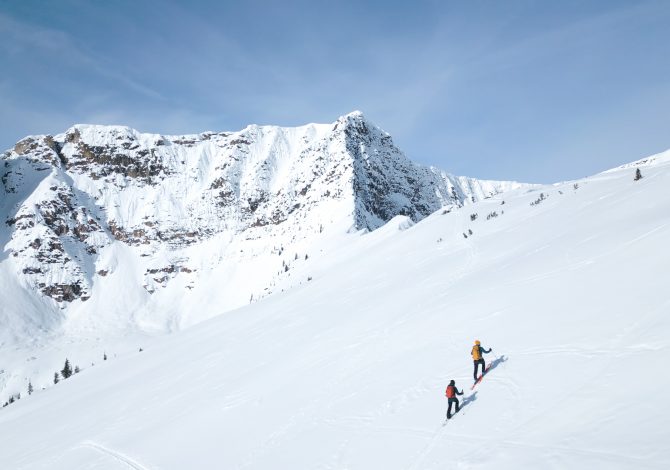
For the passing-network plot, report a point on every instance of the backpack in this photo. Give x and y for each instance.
(476, 352)
(451, 391)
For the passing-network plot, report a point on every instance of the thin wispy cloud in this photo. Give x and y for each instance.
(22, 36)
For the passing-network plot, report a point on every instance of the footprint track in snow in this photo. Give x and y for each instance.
(118, 456)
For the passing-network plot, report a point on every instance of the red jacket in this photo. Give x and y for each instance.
(452, 391)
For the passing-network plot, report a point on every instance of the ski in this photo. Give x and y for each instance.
(452, 416)
(480, 378)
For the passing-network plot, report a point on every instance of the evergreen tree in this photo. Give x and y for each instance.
(30, 388)
(67, 370)
(56, 379)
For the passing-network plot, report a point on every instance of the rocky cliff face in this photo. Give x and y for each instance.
(174, 200)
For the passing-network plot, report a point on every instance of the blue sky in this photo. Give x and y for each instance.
(534, 91)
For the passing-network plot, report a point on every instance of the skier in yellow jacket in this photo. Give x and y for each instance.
(478, 357)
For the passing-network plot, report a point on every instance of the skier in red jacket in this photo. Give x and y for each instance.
(451, 393)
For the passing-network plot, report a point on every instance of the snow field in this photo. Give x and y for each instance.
(349, 370)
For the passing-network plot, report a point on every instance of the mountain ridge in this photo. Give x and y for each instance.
(262, 190)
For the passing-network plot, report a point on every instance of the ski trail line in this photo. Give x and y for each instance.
(114, 454)
(428, 448)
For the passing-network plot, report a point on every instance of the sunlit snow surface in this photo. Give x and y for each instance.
(348, 371)
(109, 235)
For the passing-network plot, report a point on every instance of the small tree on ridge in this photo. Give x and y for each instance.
(67, 370)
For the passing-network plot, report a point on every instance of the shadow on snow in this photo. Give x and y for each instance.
(473, 396)
(497, 362)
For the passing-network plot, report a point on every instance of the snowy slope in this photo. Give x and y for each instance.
(109, 235)
(568, 283)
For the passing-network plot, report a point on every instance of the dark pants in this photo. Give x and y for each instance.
(452, 401)
(477, 362)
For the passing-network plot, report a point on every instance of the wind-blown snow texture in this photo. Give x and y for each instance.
(348, 370)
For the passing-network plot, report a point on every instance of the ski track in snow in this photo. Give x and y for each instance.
(589, 352)
(467, 402)
(644, 235)
(489, 444)
(130, 463)
(428, 448)
(520, 428)
(275, 438)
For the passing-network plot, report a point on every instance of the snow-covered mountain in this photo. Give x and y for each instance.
(567, 283)
(214, 218)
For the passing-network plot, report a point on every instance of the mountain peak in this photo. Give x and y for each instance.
(356, 118)
(357, 122)
(355, 114)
